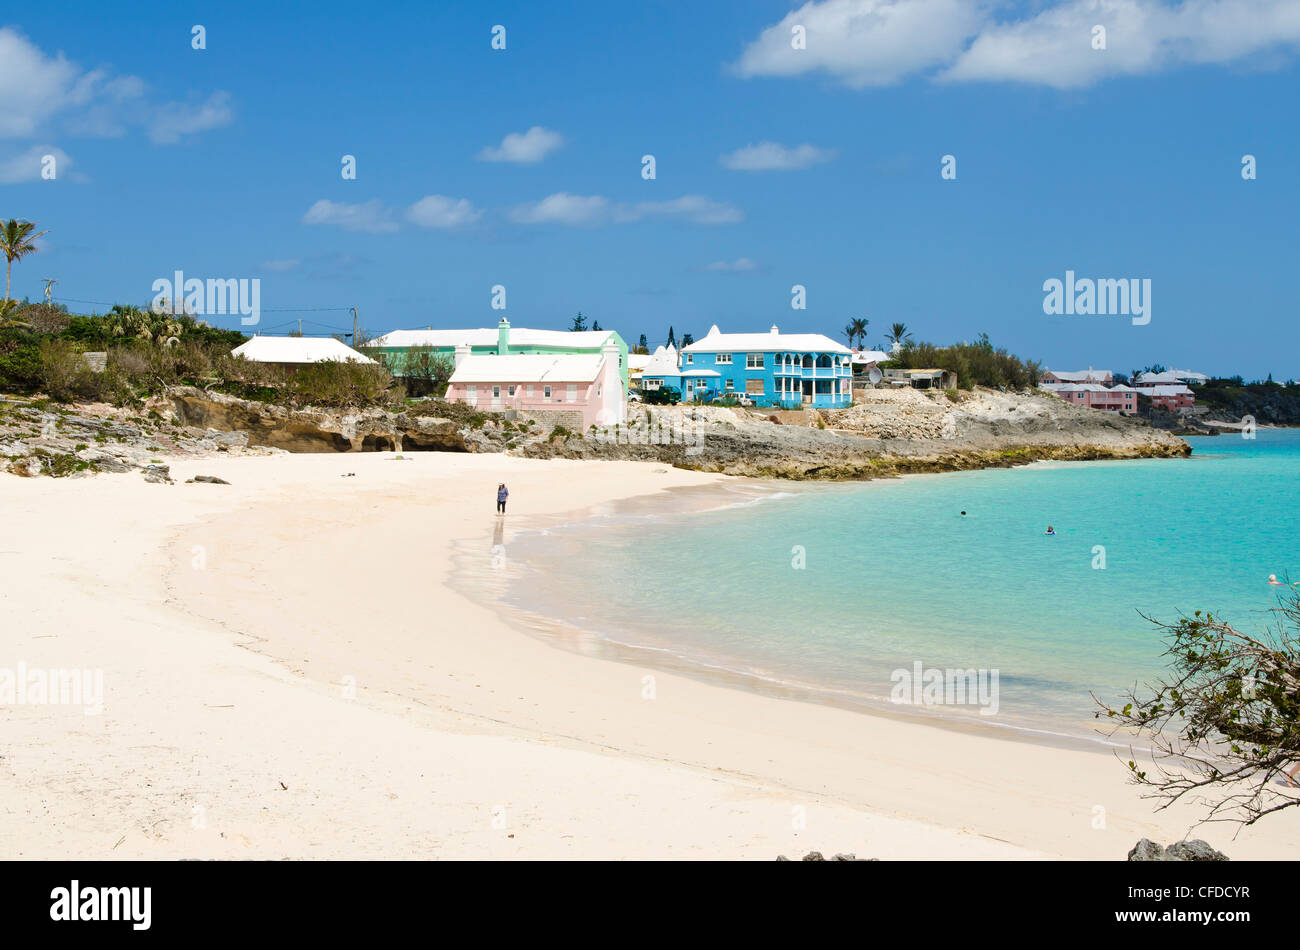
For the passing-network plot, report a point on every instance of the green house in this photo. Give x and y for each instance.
(395, 345)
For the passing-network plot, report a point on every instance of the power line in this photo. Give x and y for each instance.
(105, 303)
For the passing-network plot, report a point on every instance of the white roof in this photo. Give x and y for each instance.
(1168, 390)
(485, 336)
(1172, 376)
(870, 356)
(773, 341)
(662, 363)
(529, 368)
(297, 349)
(701, 372)
(1085, 388)
(1082, 376)
(638, 361)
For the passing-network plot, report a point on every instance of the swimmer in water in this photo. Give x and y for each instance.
(1050, 530)
(1272, 579)
(963, 514)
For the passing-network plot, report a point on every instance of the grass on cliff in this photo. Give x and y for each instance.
(54, 364)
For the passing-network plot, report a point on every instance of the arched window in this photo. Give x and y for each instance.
(823, 361)
(807, 361)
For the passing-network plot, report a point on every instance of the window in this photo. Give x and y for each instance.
(690, 357)
(530, 391)
(753, 361)
(724, 358)
(546, 393)
(754, 387)
(731, 384)
(651, 384)
(496, 392)
(571, 393)
(512, 390)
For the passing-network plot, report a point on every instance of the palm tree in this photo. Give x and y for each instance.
(16, 241)
(859, 325)
(898, 333)
(849, 331)
(8, 307)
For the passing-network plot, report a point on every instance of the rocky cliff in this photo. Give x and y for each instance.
(890, 432)
(886, 433)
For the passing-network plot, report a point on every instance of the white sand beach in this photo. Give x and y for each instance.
(287, 674)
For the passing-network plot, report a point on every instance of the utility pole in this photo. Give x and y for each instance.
(300, 326)
(354, 328)
(49, 290)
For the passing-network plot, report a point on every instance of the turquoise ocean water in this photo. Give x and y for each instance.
(894, 575)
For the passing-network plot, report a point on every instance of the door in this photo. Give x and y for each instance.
(807, 392)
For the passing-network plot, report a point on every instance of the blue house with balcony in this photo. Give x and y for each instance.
(773, 369)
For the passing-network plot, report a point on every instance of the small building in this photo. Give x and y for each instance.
(772, 369)
(1172, 377)
(921, 378)
(1100, 377)
(294, 352)
(1171, 397)
(585, 384)
(1121, 399)
(501, 341)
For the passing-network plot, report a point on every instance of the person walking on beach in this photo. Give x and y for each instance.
(502, 494)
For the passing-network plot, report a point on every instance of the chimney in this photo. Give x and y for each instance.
(503, 337)
(462, 351)
(774, 329)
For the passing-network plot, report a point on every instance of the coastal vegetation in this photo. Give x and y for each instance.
(43, 350)
(1224, 721)
(1266, 401)
(976, 364)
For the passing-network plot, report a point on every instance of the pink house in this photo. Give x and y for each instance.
(585, 383)
(1172, 398)
(1094, 396)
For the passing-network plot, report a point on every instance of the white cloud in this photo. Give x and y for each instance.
(39, 91)
(696, 208)
(592, 210)
(878, 42)
(443, 213)
(563, 208)
(739, 266)
(864, 42)
(370, 216)
(1142, 36)
(33, 86)
(282, 266)
(175, 120)
(773, 156)
(523, 148)
(27, 165)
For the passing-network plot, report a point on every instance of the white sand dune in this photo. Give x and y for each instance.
(287, 674)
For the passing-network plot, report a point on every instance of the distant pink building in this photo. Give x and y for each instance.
(586, 383)
(1109, 399)
(1172, 398)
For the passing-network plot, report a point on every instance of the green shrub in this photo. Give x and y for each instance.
(20, 361)
(64, 373)
(337, 384)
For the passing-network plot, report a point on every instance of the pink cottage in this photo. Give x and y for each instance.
(584, 383)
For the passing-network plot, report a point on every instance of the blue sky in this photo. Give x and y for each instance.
(1115, 163)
